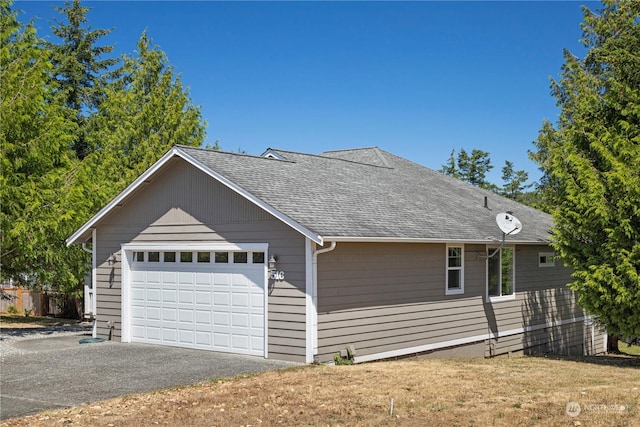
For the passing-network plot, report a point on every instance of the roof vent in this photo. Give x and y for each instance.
(486, 202)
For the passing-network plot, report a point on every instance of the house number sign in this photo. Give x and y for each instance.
(277, 275)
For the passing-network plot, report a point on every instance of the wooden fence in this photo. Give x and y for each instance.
(34, 302)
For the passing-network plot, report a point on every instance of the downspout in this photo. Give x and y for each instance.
(314, 293)
(94, 328)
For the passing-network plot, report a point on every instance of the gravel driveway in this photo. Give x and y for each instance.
(47, 368)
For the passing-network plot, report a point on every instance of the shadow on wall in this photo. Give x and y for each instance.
(554, 306)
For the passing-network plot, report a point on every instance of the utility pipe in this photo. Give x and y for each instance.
(314, 293)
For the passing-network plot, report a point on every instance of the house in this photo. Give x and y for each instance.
(296, 257)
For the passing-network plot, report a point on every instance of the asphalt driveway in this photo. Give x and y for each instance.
(60, 372)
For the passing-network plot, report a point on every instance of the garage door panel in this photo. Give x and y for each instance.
(222, 299)
(239, 300)
(203, 317)
(240, 320)
(169, 314)
(185, 297)
(153, 294)
(185, 336)
(169, 296)
(204, 339)
(240, 341)
(154, 277)
(221, 319)
(169, 335)
(185, 315)
(153, 313)
(153, 333)
(203, 298)
(197, 305)
(257, 321)
(221, 340)
(203, 279)
(169, 277)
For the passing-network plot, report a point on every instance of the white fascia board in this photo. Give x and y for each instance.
(127, 191)
(354, 239)
(175, 151)
(253, 199)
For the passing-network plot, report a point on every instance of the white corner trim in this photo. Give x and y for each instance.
(125, 290)
(310, 307)
(463, 341)
(94, 282)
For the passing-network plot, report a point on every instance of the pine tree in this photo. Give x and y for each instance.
(591, 161)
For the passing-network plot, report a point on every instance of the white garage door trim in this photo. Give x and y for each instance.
(127, 251)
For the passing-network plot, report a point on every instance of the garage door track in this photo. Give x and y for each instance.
(61, 372)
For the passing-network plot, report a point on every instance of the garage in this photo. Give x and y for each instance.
(209, 298)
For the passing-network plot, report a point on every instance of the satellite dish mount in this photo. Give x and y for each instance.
(509, 225)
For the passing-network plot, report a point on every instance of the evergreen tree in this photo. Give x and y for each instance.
(36, 130)
(514, 182)
(591, 161)
(144, 113)
(451, 167)
(79, 69)
(471, 168)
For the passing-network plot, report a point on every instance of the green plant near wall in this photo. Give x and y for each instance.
(345, 357)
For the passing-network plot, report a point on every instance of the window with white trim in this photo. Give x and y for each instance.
(501, 273)
(546, 259)
(455, 270)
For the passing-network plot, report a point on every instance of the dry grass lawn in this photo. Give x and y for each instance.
(16, 321)
(518, 391)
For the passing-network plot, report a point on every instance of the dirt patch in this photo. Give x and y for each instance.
(8, 321)
(478, 392)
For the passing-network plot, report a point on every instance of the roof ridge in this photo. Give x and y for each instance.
(232, 153)
(387, 166)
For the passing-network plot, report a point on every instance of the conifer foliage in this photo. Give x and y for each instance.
(591, 162)
(75, 129)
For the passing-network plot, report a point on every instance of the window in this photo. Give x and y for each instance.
(204, 256)
(455, 270)
(154, 256)
(501, 273)
(258, 257)
(222, 257)
(138, 256)
(239, 257)
(546, 259)
(169, 257)
(186, 256)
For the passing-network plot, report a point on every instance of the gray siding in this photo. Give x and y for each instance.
(384, 297)
(182, 205)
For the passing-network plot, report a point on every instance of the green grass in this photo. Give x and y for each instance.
(631, 350)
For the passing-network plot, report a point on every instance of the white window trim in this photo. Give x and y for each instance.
(455, 291)
(548, 255)
(500, 298)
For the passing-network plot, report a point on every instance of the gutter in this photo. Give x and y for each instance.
(314, 294)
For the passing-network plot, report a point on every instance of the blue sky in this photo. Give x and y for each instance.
(417, 79)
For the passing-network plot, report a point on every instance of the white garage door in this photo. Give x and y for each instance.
(213, 300)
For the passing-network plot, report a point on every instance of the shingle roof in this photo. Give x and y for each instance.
(370, 193)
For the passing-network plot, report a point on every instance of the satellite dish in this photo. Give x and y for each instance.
(508, 223)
